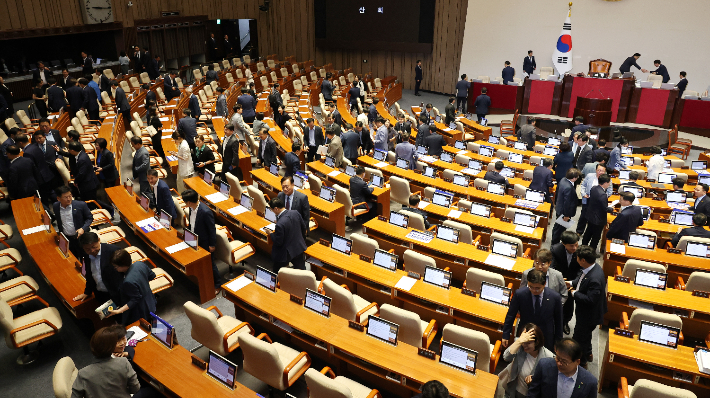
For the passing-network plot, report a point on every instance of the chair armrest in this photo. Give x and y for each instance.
(210, 308)
(315, 222)
(352, 209)
(495, 355)
(328, 372)
(241, 247)
(374, 394)
(681, 284)
(33, 324)
(669, 245)
(624, 320)
(364, 310)
(298, 374)
(264, 336)
(320, 285)
(18, 284)
(10, 255)
(618, 270)
(447, 269)
(475, 241)
(527, 253)
(429, 333)
(681, 338)
(707, 340)
(623, 388)
(28, 298)
(227, 348)
(94, 203)
(431, 228)
(510, 285)
(464, 284)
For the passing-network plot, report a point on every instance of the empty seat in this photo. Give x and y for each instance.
(63, 377)
(20, 332)
(259, 199)
(634, 322)
(417, 262)
(465, 232)
(412, 330)
(275, 364)
(650, 389)
(511, 239)
(698, 281)
(347, 305)
(475, 276)
(218, 333)
(325, 384)
(488, 354)
(296, 281)
(364, 245)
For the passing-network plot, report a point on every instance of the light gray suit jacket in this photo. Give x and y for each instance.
(516, 366)
(556, 282)
(335, 150)
(106, 378)
(141, 164)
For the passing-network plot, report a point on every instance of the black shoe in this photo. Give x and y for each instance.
(566, 329)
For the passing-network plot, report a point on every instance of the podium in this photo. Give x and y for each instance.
(595, 111)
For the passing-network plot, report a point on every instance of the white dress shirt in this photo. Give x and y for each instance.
(585, 271)
(192, 218)
(655, 166)
(67, 220)
(185, 167)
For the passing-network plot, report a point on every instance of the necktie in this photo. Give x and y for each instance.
(189, 217)
(44, 148)
(576, 154)
(288, 203)
(537, 303)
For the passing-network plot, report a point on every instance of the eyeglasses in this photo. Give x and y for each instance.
(564, 362)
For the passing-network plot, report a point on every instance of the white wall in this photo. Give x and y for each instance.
(676, 32)
(244, 33)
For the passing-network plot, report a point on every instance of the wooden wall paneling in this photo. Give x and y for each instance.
(8, 20)
(25, 8)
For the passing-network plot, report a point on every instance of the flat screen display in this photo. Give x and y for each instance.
(422, 150)
(341, 244)
(493, 140)
(165, 219)
(495, 188)
(145, 202)
(550, 150)
(273, 169)
(63, 244)
(698, 165)
(441, 199)
(481, 210)
(376, 180)
(437, 277)
(208, 177)
(458, 357)
(380, 155)
(329, 161)
(382, 329)
(525, 219)
(246, 201)
(429, 172)
(190, 238)
(222, 370)
(486, 151)
(505, 248)
(447, 233)
(637, 191)
(703, 178)
(534, 196)
(516, 157)
(627, 150)
(624, 174)
(460, 180)
(676, 197)
(327, 193)
(666, 178)
(162, 331)
(507, 172)
(682, 218)
(269, 215)
(350, 170)
(446, 157)
(656, 333)
(495, 293)
(475, 165)
(402, 163)
(521, 147)
(697, 249)
(399, 219)
(224, 188)
(553, 141)
(266, 278)
(642, 241)
(647, 278)
(299, 179)
(317, 303)
(459, 144)
(385, 260)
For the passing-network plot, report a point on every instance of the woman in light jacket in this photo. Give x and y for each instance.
(524, 361)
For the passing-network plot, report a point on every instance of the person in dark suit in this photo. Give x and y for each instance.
(105, 83)
(542, 178)
(138, 63)
(433, 389)
(202, 156)
(194, 104)
(87, 64)
(589, 293)
(281, 117)
(350, 141)
(150, 96)
(122, 106)
(4, 161)
(23, 178)
(417, 77)
(361, 192)
(228, 48)
(536, 304)
(435, 142)
(529, 64)
(75, 97)
(563, 374)
(508, 73)
(326, 88)
(84, 176)
(161, 198)
(494, 176)
(248, 104)
(313, 135)
(482, 104)
(141, 163)
(426, 113)
(188, 126)
(137, 298)
(211, 75)
(229, 149)
(153, 68)
(628, 219)
(294, 200)
(407, 151)
(42, 73)
(292, 160)
(564, 259)
(583, 152)
(105, 162)
(682, 84)
(661, 71)
(596, 212)
(6, 93)
(147, 59)
(212, 43)
(601, 149)
(200, 220)
(170, 88)
(43, 155)
(422, 130)
(372, 111)
(354, 94)
(450, 112)
(55, 97)
(566, 203)
(335, 114)
(403, 125)
(629, 62)
(697, 230)
(275, 99)
(527, 135)
(288, 237)
(102, 280)
(462, 88)
(414, 200)
(73, 218)
(90, 102)
(267, 149)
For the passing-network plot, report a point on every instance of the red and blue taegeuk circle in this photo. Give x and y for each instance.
(564, 44)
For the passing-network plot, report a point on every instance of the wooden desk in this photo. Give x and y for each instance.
(174, 375)
(196, 264)
(635, 360)
(377, 284)
(459, 257)
(322, 171)
(438, 163)
(485, 160)
(648, 187)
(695, 311)
(526, 154)
(362, 355)
(330, 216)
(658, 206)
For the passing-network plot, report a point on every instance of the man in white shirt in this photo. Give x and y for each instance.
(102, 280)
(590, 181)
(655, 164)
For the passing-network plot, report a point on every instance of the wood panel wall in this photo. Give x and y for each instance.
(287, 29)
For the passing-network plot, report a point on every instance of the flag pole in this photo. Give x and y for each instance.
(570, 9)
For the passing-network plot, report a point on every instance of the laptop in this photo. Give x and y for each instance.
(385, 259)
(165, 219)
(682, 218)
(422, 150)
(504, 248)
(299, 179)
(627, 150)
(535, 196)
(495, 188)
(460, 180)
(377, 180)
(481, 210)
(437, 277)
(697, 249)
(485, 151)
(507, 172)
(382, 330)
(246, 201)
(380, 155)
(627, 161)
(224, 188)
(495, 293)
(676, 196)
(520, 146)
(446, 157)
(447, 233)
(624, 174)
(330, 161)
(642, 241)
(655, 333)
(327, 193)
(652, 279)
(459, 144)
(403, 163)
(341, 244)
(350, 170)
(698, 165)
(474, 164)
(63, 244)
(703, 178)
(458, 357)
(666, 178)
(553, 141)
(269, 215)
(493, 140)
(437, 118)
(208, 177)
(266, 278)
(399, 219)
(162, 331)
(222, 370)
(515, 158)
(550, 150)
(637, 191)
(318, 303)
(191, 238)
(442, 199)
(429, 172)
(525, 219)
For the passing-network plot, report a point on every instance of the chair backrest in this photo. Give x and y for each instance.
(225, 64)
(690, 93)
(508, 238)
(342, 302)
(475, 276)
(544, 75)
(296, 281)
(197, 73)
(698, 281)
(264, 81)
(7, 323)
(351, 77)
(284, 72)
(105, 98)
(641, 314)
(295, 68)
(677, 163)
(473, 147)
(464, 204)
(682, 176)
(314, 76)
(471, 339)
(178, 81)
(273, 76)
(520, 189)
(297, 86)
(364, 245)
(63, 377)
(342, 196)
(510, 212)
(321, 72)
(484, 79)
(124, 85)
(258, 196)
(223, 250)
(315, 183)
(480, 183)
(370, 171)
(108, 73)
(236, 62)
(683, 242)
(400, 190)
(304, 81)
(239, 74)
(632, 265)
(462, 159)
(417, 262)
(502, 154)
(260, 66)
(247, 59)
(650, 389)
(652, 78)
(216, 66)
(235, 188)
(179, 212)
(342, 81)
(229, 77)
(145, 79)
(208, 90)
(410, 324)
(448, 173)
(599, 65)
(205, 328)
(416, 220)
(465, 232)
(261, 360)
(322, 386)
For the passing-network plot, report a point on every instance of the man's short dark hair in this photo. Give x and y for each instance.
(579, 119)
(432, 128)
(414, 200)
(623, 141)
(289, 178)
(61, 190)
(547, 162)
(602, 157)
(499, 165)
(583, 138)
(121, 258)
(50, 80)
(89, 238)
(627, 196)
(189, 195)
(74, 146)
(84, 82)
(507, 62)
(13, 150)
(655, 150)
(601, 143)
(463, 76)
(230, 126)
(177, 134)
(543, 255)
(603, 179)
(704, 186)
(679, 182)
(38, 132)
(309, 120)
(434, 389)
(152, 172)
(658, 61)
(296, 146)
(569, 347)
(484, 90)
(186, 112)
(683, 73)
(572, 173)
(587, 253)
(637, 55)
(530, 52)
(21, 138)
(536, 276)
(569, 237)
(600, 165)
(276, 203)
(451, 100)
(700, 219)
(359, 170)
(331, 130)
(237, 107)
(634, 175)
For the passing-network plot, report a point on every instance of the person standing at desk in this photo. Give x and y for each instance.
(564, 259)
(563, 161)
(211, 75)
(450, 112)
(350, 141)
(542, 178)
(583, 152)
(417, 77)
(529, 64)
(380, 140)
(221, 105)
(403, 125)
(248, 104)
(407, 151)
(267, 149)
(702, 202)
(326, 88)
(462, 88)
(23, 178)
(482, 104)
(527, 134)
(194, 104)
(361, 192)
(616, 155)
(292, 160)
(137, 297)
(562, 376)
(365, 140)
(294, 200)
(354, 94)
(200, 220)
(288, 237)
(335, 147)
(84, 176)
(187, 125)
(553, 278)
(372, 111)
(56, 98)
(229, 149)
(170, 86)
(579, 127)
(102, 280)
(161, 198)
(73, 218)
(314, 138)
(655, 164)
(39, 96)
(629, 62)
(186, 168)
(589, 182)
(435, 142)
(596, 209)
(494, 176)
(508, 73)
(566, 204)
(203, 157)
(661, 71)
(122, 106)
(697, 230)
(423, 130)
(682, 84)
(628, 219)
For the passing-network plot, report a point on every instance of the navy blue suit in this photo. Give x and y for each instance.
(682, 84)
(626, 222)
(23, 178)
(542, 180)
(84, 177)
(90, 100)
(590, 306)
(289, 240)
(563, 161)
(350, 141)
(170, 88)
(548, 318)
(565, 206)
(164, 201)
(628, 63)
(75, 97)
(55, 98)
(494, 176)
(354, 94)
(43, 161)
(292, 163)
(529, 65)
(699, 232)
(194, 107)
(508, 73)
(109, 276)
(188, 125)
(436, 144)
(136, 293)
(206, 235)
(544, 381)
(248, 104)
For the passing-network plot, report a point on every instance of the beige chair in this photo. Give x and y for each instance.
(260, 67)
(465, 232)
(225, 64)
(417, 262)
(235, 187)
(325, 384)
(296, 281)
(463, 160)
(484, 79)
(474, 340)
(284, 72)
(314, 183)
(449, 174)
(112, 235)
(259, 199)
(22, 331)
(364, 245)
(650, 389)
(475, 276)
(502, 154)
(9, 258)
(691, 94)
(634, 322)
(236, 62)
(218, 333)
(370, 171)
(231, 251)
(247, 59)
(63, 377)
(696, 281)
(656, 79)
(162, 279)
(412, 330)
(145, 79)
(520, 189)
(511, 239)
(342, 196)
(347, 305)
(683, 242)
(20, 290)
(416, 220)
(275, 364)
(480, 183)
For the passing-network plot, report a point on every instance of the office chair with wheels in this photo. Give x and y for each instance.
(33, 327)
(325, 384)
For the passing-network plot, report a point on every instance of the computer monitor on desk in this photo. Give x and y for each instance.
(63, 244)
(703, 178)
(524, 219)
(327, 193)
(459, 144)
(382, 330)
(493, 140)
(385, 260)
(647, 278)
(697, 249)
(504, 248)
(128, 185)
(350, 170)
(495, 188)
(144, 202)
(266, 278)
(447, 233)
(422, 150)
(402, 163)
(458, 357)
(474, 164)
(642, 241)
(165, 219)
(550, 150)
(47, 220)
(437, 277)
(516, 157)
(429, 172)
(486, 151)
(482, 210)
(553, 141)
(269, 215)
(535, 196)
(377, 180)
(637, 191)
(224, 188)
(330, 161)
(442, 199)
(676, 196)
(341, 244)
(655, 333)
(274, 169)
(460, 180)
(191, 238)
(317, 303)
(162, 331)
(208, 177)
(246, 201)
(399, 219)
(666, 178)
(624, 174)
(698, 165)
(507, 172)
(446, 157)
(681, 218)
(380, 155)
(222, 370)
(495, 293)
